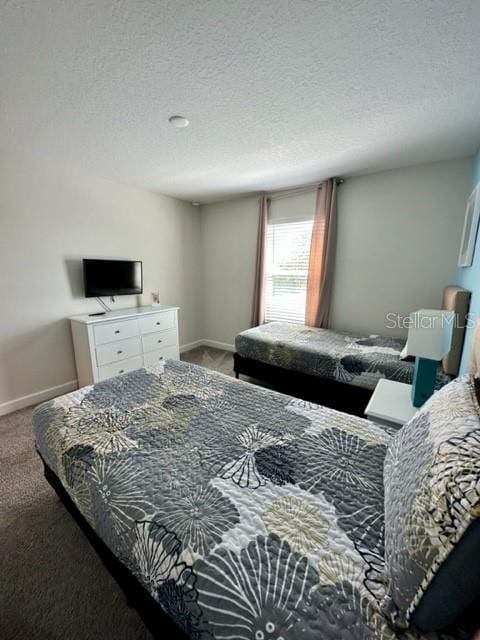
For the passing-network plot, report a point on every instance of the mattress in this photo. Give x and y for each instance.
(342, 357)
(245, 513)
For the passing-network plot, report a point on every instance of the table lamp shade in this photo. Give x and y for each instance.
(430, 333)
(429, 339)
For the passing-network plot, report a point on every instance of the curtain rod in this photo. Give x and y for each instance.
(295, 191)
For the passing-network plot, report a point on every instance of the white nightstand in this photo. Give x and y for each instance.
(390, 403)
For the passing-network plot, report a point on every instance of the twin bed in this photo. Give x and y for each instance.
(336, 369)
(240, 513)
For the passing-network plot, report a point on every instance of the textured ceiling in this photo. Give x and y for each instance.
(278, 92)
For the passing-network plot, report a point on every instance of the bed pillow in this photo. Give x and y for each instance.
(432, 497)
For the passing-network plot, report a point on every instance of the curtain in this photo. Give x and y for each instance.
(258, 306)
(322, 256)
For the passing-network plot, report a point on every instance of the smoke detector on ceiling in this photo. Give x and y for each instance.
(178, 121)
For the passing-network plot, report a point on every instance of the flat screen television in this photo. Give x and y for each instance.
(112, 277)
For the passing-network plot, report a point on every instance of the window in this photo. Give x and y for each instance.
(287, 255)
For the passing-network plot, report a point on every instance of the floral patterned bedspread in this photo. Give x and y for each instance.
(343, 357)
(246, 514)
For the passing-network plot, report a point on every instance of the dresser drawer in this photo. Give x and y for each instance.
(121, 350)
(157, 322)
(117, 368)
(153, 341)
(115, 331)
(154, 357)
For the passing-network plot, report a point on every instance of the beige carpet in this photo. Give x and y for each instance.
(211, 358)
(52, 584)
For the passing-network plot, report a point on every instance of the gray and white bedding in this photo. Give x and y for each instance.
(247, 514)
(341, 357)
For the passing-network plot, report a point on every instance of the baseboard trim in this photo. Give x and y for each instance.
(191, 345)
(205, 342)
(37, 397)
(219, 345)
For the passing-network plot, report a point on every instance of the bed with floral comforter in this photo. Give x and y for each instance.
(342, 357)
(245, 513)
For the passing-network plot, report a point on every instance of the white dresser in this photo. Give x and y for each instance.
(121, 341)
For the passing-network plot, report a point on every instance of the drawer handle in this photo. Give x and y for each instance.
(159, 341)
(122, 371)
(159, 323)
(117, 331)
(119, 351)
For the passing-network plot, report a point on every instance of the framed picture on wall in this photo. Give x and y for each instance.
(470, 227)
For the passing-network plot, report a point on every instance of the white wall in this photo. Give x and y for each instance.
(49, 219)
(398, 239)
(229, 236)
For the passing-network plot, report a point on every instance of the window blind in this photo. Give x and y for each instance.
(287, 256)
